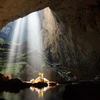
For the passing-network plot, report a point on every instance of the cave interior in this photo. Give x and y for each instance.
(59, 40)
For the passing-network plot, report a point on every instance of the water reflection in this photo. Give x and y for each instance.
(35, 89)
(42, 90)
(49, 93)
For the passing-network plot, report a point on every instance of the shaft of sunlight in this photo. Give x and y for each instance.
(21, 38)
(34, 46)
(34, 32)
(34, 41)
(13, 47)
(14, 40)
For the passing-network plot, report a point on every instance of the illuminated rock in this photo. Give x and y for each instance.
(40, 79)
(32, 81)
(8, 76)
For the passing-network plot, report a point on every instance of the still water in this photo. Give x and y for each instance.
(33, 94)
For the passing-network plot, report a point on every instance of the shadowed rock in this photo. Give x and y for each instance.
(82, 91)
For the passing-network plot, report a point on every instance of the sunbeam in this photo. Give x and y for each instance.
(14, 40)
(34, 41)
(27, 29)
(13, 47)
(26, 63)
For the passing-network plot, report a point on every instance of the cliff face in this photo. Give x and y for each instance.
(71, 38)
(82, 32)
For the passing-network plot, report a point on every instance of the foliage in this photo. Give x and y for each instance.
(11, 68)
(2, 41)
(14, 68)
(2, 49)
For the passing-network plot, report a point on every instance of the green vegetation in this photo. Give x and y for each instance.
(11, 68)
(2, 41)
(14, 68)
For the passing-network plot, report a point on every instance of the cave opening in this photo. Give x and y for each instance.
(26, 43)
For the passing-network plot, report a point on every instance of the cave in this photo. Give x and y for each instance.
(66, 49)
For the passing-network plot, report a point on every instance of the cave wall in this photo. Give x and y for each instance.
(79, 24)
(82, 31)
(74, 36)
(56, 45)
